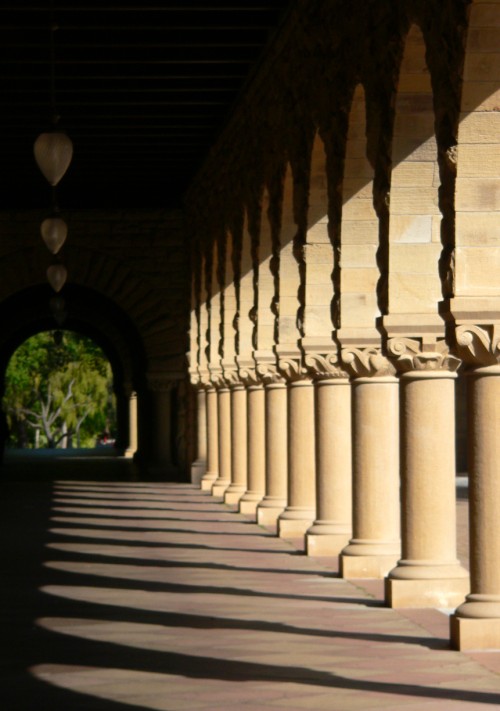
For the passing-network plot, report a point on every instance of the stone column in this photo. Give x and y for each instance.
(224, 440)
(238, 484)
(199, 466)
(276, 467)
(256, 447)
(212, 441)
(429, 573)
(301, 499)
(476, 623)
(132, 426)
(375, 546)
(332, 528)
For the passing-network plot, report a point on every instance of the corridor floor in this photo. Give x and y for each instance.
(122, 596)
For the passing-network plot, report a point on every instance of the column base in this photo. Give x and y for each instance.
(444, 592)
(249, 503)
(208, 481)
(219, 487)
(326, 539)
(269, 510)
(467, 633)
(294, 522)
(198, 471)
(366, 566)
(234, 493)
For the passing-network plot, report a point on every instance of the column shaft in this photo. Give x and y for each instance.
(238, 484)
(274, 502)
(224, 422)
(429, 574)
(256, 450)
(300, 511)
(333, 526)
(212, 441)
(375, 546)
(199, 466)
(132, 426)
(476, 623)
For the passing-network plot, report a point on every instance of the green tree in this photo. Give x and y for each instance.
(58, 393)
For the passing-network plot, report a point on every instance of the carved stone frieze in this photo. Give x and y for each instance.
(417, 354)
(324, 365)
(479, 346)
(366, 362)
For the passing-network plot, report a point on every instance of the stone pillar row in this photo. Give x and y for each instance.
(286, 440)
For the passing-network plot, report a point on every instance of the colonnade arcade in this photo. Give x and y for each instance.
(340, 287)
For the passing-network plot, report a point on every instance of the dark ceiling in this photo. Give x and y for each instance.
(142, 89)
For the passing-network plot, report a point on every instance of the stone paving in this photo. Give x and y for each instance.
(120, 596)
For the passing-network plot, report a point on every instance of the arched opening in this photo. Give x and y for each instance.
(59, 394)
(96, 317)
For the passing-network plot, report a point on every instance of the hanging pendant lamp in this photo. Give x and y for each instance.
(53, 153)
(57, 275)
(54, 232)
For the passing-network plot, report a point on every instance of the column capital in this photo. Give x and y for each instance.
(290, 363)
(205, 380)
(421, 354)
(323, 363)
(479, 345)
(230, 374)
(217, 377)
(367, 362)
(194, 376)
(267, 367)
(247, 371)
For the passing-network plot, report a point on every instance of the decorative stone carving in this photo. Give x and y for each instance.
(247, 372)
(290, 365)
(324, 365)
(367, 362)
(230, 375)
(267, 371)
(217, 377)
(479, 346)
(417, 354)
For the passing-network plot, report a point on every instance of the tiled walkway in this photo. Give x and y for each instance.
(150, 596)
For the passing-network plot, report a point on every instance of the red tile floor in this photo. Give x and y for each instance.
(121, 596)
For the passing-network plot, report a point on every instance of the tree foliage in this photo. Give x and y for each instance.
(58, 392)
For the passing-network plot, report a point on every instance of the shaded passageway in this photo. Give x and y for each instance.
(157, 596)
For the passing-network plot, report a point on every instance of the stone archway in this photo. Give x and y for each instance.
(27, 312)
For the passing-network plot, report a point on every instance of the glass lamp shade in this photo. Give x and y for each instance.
(57, 275)
(53, 153)
(54, 231)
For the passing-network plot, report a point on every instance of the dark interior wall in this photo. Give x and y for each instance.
(126, 288)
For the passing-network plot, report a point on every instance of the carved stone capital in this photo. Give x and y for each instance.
(417, 354)
(290, 365)
(205, 379)
(230, 375)
(366, 362)
(267, 371)
(194, 377)
(479, 346)
(247, 371)
(324, 365)
(217, 377)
